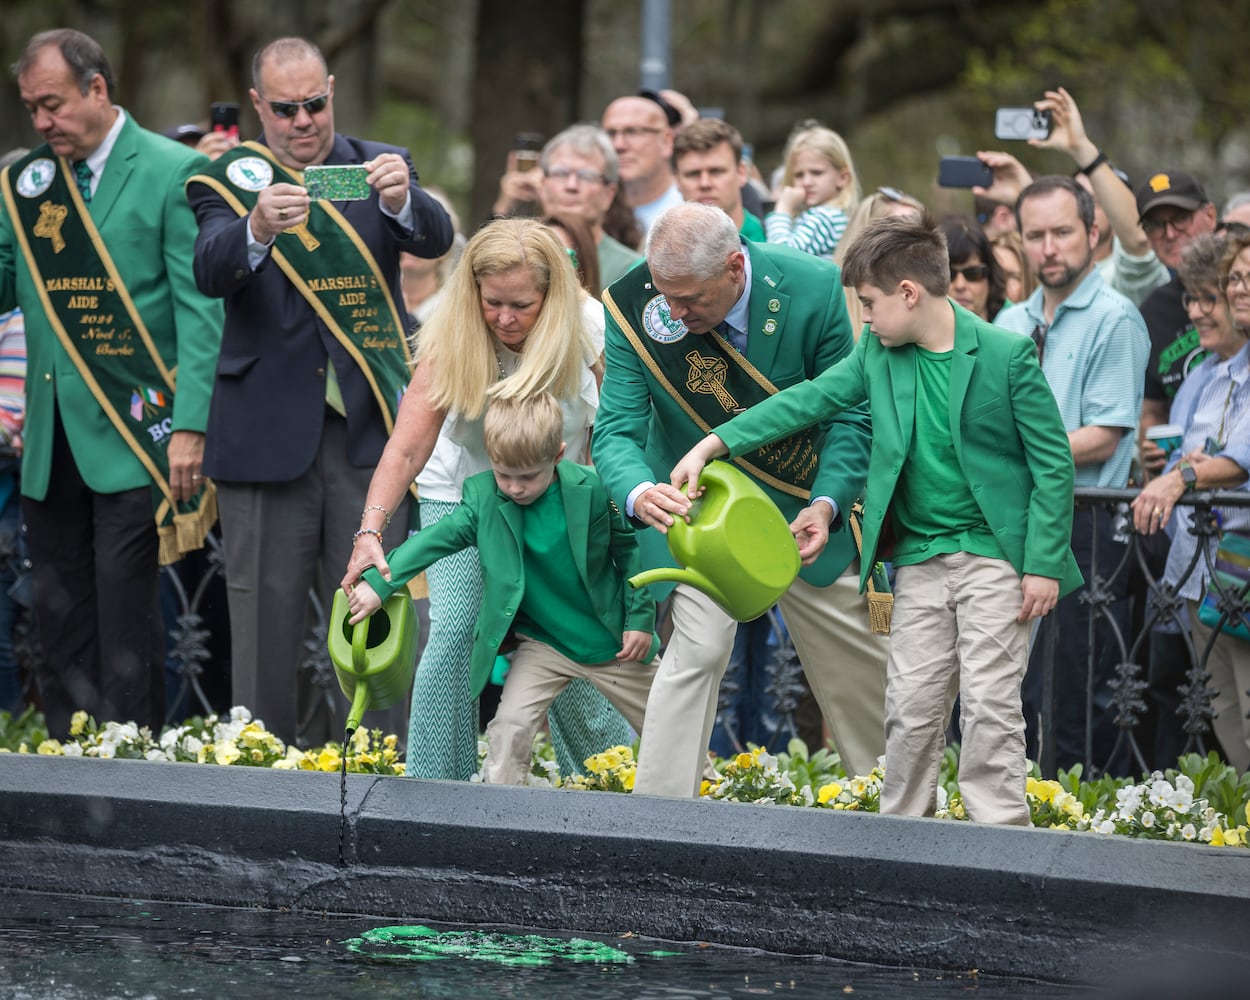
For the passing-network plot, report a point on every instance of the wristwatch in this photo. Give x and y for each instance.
(1189, 476)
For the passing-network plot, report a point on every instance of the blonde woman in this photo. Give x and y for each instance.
(819, 189)
(508, 325)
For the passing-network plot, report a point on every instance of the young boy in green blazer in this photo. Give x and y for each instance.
(971, 465)
(555, 555)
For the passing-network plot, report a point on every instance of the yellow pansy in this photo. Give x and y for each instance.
(77, 722)
(744, 760)
(50, 747)
(225, 752)
(828, 792)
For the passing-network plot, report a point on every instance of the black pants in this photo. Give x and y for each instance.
(1074, 656)
(95, 569)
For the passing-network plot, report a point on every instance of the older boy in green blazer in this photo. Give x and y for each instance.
(555, 556)
(972, 466)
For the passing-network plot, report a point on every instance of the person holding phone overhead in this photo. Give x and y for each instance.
(314, 360)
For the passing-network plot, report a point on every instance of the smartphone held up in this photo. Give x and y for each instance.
(964, 172)
(224, 117)
(1021, 123)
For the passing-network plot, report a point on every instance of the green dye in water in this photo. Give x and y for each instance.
(424, 944)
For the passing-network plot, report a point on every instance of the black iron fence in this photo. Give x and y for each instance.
(1156, 693)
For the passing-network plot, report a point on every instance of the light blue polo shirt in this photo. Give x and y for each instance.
(1095, 361)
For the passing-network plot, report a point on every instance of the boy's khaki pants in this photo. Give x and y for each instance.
(955, 631)
(538, 673)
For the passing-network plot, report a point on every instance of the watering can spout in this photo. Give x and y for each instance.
(676, 574)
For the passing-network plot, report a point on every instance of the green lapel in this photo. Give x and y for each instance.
(963, 360)
(116, 172)
(576, 496)
(768, 311)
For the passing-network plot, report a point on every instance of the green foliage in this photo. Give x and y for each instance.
(27, 728)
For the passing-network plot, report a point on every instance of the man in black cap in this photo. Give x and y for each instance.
(1173, 208)
(641, 129)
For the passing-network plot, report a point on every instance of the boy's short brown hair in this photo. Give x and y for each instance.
(895, 248)
(523, 431)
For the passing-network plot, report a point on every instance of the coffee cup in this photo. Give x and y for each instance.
(1166, 436)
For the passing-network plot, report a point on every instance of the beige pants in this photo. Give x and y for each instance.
(844, 663)
(538, 673)
(1229, 667)
(955, 631)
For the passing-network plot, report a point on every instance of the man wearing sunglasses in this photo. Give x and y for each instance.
(314, 359)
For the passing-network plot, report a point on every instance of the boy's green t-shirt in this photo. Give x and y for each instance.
(555, 608)
(934, 510)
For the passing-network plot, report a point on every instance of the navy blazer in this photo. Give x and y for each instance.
(268, 404)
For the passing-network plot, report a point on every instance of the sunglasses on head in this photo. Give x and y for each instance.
(289, 109)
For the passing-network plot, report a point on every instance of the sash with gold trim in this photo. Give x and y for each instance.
(712, 382)
(331, 267)
(94, 318)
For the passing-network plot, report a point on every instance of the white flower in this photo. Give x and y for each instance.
(1148, 819)
(941, 795)
(1160, 792)
(1128, 800)
(1188, 832)
(106, 751)
(191, 746)
(72, 750)
(1184, 783)
(170, 738)
(156, 754)
(1106, 826)
(240, 714)
(285, 764)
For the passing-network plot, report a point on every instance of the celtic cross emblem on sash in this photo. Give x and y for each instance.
(308, 239)
(707, 376)
(51, 217)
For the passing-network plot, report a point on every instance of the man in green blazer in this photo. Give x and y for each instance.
(673, 372)
(971, 465)
(113, 325)
(555, 556)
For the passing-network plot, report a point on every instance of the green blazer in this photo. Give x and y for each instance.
(798, 327)
(143, 217)
(605, 555)
(1006, 428)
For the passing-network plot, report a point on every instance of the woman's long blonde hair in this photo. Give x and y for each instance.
(456, 341)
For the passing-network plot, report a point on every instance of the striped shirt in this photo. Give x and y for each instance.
(12, 375)
(1094, 358)
(816, 231)
(1213, 405)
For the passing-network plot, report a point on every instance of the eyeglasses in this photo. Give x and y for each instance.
(1039, 338)
(1205, 303)
(1179, 222)
(973, 272)
(289, 109)
(585, 175)
(1235, 279)
(631, 132)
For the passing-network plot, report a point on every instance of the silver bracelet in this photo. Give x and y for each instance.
(385, 513)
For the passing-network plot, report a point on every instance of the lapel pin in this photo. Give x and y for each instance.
(770, 327)
(774, 306)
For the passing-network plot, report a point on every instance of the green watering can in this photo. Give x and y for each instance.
(737, 548)
(374, 659)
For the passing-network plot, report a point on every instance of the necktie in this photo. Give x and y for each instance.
(83, 174)
(737, 339)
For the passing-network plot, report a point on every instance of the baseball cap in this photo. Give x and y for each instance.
(1170, 187)
(184, 133)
